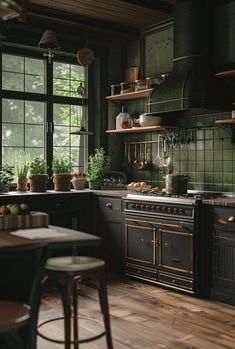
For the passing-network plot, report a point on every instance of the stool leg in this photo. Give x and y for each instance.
(67, 292)
(105, 308)
(75, 316)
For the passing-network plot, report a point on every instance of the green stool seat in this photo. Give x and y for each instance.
(67, 273)
(73, 263)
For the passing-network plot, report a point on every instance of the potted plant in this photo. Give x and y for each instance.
(61, 167)
(98, 164)
(22, 162)
(38, 175)
(78, 180)
(6, 177)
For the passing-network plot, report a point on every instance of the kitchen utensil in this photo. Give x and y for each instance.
(157, 161)
(150, 120)
(166, 157)
(146, 163)
(176, 184)
(135, 157)
(125, 163)
(138, 165)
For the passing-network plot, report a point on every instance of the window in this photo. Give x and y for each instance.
(41, 107)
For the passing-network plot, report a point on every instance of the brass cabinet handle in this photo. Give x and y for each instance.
(155, 242)
(109, 205)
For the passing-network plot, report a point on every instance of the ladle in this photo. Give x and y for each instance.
(157, 161)
(146, 163)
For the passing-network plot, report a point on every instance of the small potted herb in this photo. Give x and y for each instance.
(98, 164)
(61, 167)
(6, 177)
(22, 163)
(38, 175)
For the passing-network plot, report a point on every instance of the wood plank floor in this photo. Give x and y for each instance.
(147, 317)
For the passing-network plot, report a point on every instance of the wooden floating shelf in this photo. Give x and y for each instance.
(141, 129)
(225, 122)
(130, 95)
(225, 73)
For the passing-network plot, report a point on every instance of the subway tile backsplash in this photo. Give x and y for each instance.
(208, 159)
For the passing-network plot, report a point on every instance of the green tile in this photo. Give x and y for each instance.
(209, 166)
(227, 178)
(192, 176)
(200, 155)
(227, 187)
(209, 121)
(209, 177)
(218, 187)
(209, 144)
(218, 144)
(227, 145)
(227, 166)
(200, 177)
(192, 146)
(208, 186)
(176, 155)
(200, 135)
(200, 145)
(209, 134)
(191, 166)
(200, 166)
(218, 166)
(183, 167)
(228, 155)
(183, 155)
(191, 155)
(218, 155)
(209, 155)
(218, 177)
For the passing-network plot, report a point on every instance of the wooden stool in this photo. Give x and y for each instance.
(12, 316)
(67, 273)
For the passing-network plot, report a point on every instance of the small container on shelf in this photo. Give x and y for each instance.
(152, 81)
(126, 87)
(140, 85)
(115, 89)
(123, 120)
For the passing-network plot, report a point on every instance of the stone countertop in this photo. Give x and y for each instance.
(224, 201)
(114, 193)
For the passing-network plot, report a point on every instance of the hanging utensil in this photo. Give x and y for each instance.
(157, 161)
(125, 163)
(166, 157)
(146, 163)
(138, 164)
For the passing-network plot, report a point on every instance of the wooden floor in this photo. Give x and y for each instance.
(147, 317)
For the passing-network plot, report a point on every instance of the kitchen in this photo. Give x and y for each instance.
(195, 135)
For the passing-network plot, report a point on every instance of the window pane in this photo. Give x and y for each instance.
(61, 151)
(77, 72)
(61, 136)
(34, 136)
(61, 87)
(13, 135)
(34, 112)
(12, 110)
(61, 114)
(12, 63)
(12, 81)
(61, 70)
(33, 152)
(9, 155)
(34, 66)
(34, 84)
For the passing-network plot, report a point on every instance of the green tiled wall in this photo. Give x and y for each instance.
(208, 159)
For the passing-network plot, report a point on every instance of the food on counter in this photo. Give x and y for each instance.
(14, 209)
(155, 190)
(137, 185)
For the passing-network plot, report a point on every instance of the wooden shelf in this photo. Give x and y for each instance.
(141, 129)
(225, 122)
(130, 95)
(229, 73)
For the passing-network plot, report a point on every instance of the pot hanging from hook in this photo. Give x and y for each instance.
(85, 55)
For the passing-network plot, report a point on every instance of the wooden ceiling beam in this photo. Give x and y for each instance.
(157, 5)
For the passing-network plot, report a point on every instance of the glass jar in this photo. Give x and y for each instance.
(115, 89)
(140, 85)
(127, 87)
(123, 120)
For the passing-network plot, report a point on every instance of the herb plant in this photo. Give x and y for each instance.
(38, 166)
(61, 165)
(6, 176)
(22, 162)
(98, 164)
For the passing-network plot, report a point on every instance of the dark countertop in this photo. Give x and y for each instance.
(227, 201)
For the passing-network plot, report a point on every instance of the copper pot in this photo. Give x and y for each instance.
(176, 184)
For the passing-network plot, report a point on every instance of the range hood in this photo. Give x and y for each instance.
(191, 87)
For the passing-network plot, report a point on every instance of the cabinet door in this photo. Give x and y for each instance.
(140, 243)
(176, 251)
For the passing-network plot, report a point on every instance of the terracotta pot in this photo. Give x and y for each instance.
(62, 182)
(22, 184)
(38, 183)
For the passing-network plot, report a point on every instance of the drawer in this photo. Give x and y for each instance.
(176, 281)
(141, 272)
(110, 204)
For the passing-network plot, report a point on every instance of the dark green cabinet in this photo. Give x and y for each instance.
(107, 225)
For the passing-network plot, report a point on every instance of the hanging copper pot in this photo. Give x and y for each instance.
(85, 56)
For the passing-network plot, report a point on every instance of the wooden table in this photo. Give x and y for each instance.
(10, 245)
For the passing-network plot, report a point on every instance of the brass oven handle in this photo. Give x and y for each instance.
(155, 242)
(171, 225)
(109, 205)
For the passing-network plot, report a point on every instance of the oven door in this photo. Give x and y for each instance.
(176, 250)
(140, 242)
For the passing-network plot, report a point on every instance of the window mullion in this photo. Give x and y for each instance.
(49, 115)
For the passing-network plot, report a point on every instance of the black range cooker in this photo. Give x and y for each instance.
(164, 240)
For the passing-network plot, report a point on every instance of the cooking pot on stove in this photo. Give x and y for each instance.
(176, 184)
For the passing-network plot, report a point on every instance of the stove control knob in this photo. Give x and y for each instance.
(163, 209)
(148, 208)
(132, 206)
(158, 208)
(142, 207)
(175, 210)
(137, 206)
(153, 208)
(181, 211)
(170, 210)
